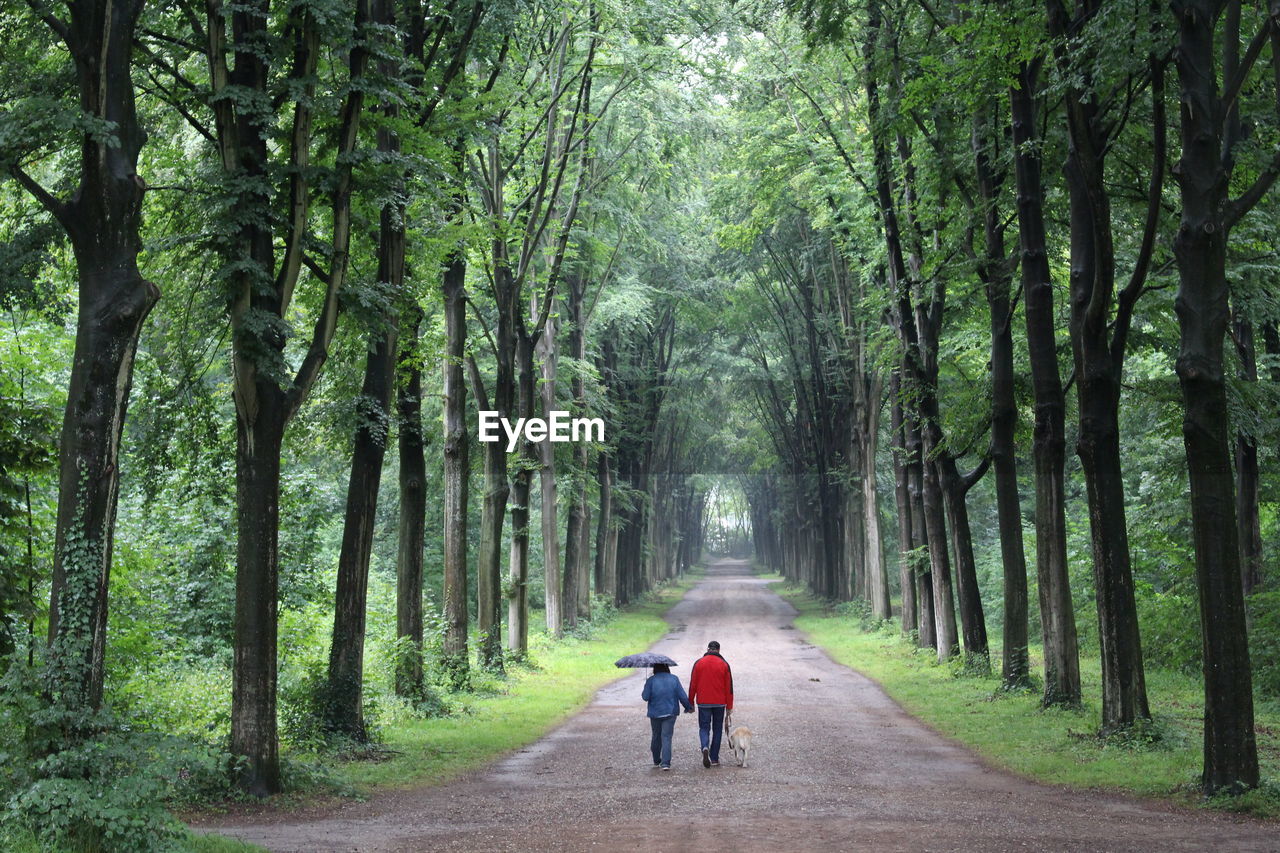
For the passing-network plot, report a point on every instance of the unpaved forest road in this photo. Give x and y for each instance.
(836, 766)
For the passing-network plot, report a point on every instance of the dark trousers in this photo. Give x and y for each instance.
(660, 744)
(711, 726)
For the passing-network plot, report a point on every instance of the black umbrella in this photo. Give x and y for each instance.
(643, 659)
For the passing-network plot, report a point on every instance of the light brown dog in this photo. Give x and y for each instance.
(740, 743)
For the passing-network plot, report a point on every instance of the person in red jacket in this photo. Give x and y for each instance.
(711, 687)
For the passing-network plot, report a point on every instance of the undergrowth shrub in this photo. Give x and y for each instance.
(89, 780)
(1170, 622)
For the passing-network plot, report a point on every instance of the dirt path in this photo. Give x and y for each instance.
(836, 766)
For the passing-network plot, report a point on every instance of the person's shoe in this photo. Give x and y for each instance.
(706, 757)
(666, 766)
(656, 765)
(715, 764)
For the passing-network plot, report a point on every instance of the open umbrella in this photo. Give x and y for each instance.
(643, 659)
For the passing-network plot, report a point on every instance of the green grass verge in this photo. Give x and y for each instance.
(1055, 746)
(17, 840)
(196, 843)
(505, 714)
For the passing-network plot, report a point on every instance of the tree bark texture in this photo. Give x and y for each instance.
(345, 707)
(260, 299)
(908, 616)
(489, 597)
(518, 563)
(457, 471)
(411, 532)
(562, 604)
(605, 567)
(1057, 618)
(1230, 747)
(102, 218)
(996, 276)
(1098, 344)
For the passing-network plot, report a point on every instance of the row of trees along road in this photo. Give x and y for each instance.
(834, 251)
(922, 134)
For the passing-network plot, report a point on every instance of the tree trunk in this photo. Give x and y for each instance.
(489, 597)
(562, 604)
(103, 221)
(253, 679)
(344, 709)
(1230, 747)
(583, 559)
(877, 572)
(577, 554)
(457, 474)
(996, 274)
(1097, 344)
(1124, 697)
(605, 567)
(1057, 618)
(973, 623)
(946, 639)
(411, 534)
(902, 495)
(922, 563)
(518, 565)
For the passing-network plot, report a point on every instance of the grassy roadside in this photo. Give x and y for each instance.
(1052, 746)
(499, 716)
(503, 715)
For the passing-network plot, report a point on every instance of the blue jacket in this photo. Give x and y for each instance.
(665, 694)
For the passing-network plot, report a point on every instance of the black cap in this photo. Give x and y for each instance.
(713, 646)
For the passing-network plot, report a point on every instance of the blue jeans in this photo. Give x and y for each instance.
(711, 723)
(660, 744)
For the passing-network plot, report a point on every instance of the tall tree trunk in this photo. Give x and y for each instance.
(1200, 247)
(562, 604)
(260, 301)
(908, 616)
(583, 536)
(577, 554)
(344, 710)
(1124, 696)
(973, 624)
(103, 220)
(489, 597)
(996, 275)
(946, 639)
(606, 537)
(1057, 618)
(1097, 344)
(411, 533)
(457, 474)
(253, 683)
(877, 572)
(518, 564)
(923, 568)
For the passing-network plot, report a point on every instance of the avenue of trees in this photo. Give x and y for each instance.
(1014, 228)
(967, 311)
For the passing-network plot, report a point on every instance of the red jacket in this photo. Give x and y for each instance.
(711, 682)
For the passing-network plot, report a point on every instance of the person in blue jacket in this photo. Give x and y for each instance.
(665, 694)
